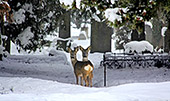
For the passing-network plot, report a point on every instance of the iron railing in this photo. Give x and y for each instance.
(124, 60)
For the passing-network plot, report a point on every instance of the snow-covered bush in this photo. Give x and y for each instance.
(138, 47)
(25, 37)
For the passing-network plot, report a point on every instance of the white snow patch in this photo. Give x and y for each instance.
(149, 23)
(25, 36)
(138, 46)
(66, 2)
(113, 1)
(28, 7)
(111, 15)
(19, 16)
(50, 14)
(163, 30)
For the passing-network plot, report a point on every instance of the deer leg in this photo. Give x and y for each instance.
(81, 80)
(77, 80)
(86, 81)
(90, 77)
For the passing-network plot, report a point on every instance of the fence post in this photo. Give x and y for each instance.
(104, 69)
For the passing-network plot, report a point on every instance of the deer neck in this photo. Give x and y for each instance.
(85, 59)
(73, 60)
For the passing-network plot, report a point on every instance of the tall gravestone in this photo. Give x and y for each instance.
(167, 40)
(100, 37)
(157, 38)
(64, 29)
(149, 36)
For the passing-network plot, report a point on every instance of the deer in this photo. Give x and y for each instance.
(85, 53)
(82, 69)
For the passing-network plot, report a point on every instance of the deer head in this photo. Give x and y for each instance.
(73, 55)
(85, 52)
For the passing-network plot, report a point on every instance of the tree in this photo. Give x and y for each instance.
(37, 18)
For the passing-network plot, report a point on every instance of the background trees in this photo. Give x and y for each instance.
(130, 13)
(36, 17)
(41, 17)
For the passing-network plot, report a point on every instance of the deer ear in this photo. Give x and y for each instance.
(89, 48)
(69, 50)
(81, 48)
(76, 49)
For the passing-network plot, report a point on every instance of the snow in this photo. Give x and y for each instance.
(1, 49)
(113, 1)
(69, 2)
(149, 23)
(163, 30)
(138, 46)
(50, 14)
(78, 3)
(25, 36)
(67, 92)
(40, 77)
(51, 78)
(66, 2)
(19, 16)
(111, 15)
(28, 7)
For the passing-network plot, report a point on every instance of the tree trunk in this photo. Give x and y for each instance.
(100, 37)
(64, 29)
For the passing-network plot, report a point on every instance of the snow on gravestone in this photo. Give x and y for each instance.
(61, 56)
(82, 36)
(138, 46)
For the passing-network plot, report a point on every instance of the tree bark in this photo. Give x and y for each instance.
(100, 37)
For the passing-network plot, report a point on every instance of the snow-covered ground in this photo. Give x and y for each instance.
(29, 89)
(51, 78)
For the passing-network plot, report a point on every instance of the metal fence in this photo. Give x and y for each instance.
(124, 60)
